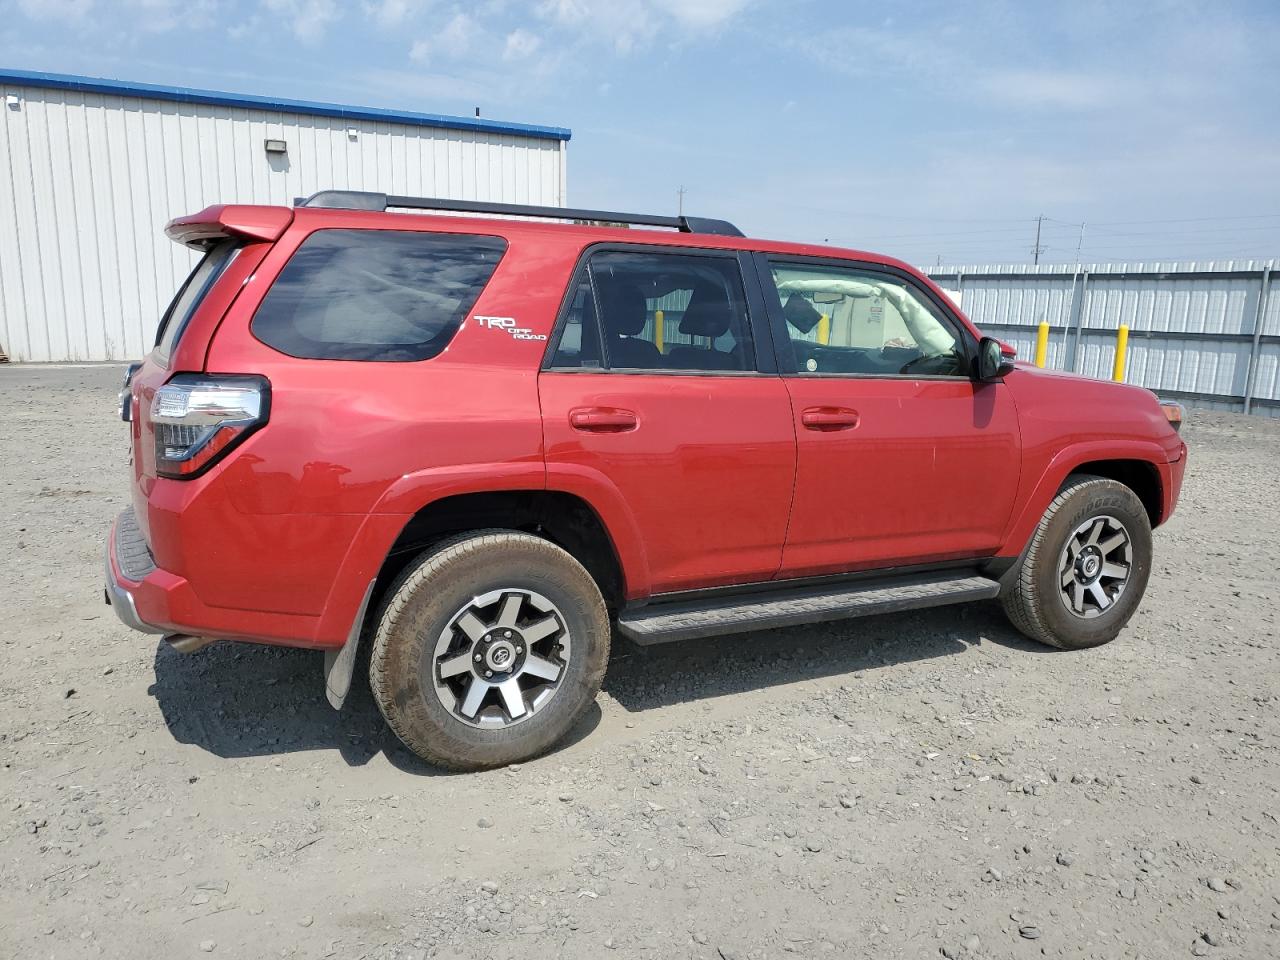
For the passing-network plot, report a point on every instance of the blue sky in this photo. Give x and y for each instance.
(921, 129)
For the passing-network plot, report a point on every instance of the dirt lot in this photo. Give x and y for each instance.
(909, 786)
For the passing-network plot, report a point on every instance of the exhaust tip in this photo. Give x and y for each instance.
(184, 643)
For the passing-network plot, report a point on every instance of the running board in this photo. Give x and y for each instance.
(692, 619)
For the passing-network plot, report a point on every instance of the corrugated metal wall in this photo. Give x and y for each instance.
(1196, 329)
(88, 180)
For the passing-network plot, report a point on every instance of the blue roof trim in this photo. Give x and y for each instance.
(153, 91)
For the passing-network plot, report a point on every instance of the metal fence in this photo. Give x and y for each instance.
(1205, 333)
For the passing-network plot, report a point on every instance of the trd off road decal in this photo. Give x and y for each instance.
(508, 325)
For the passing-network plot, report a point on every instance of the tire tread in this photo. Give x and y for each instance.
(418, 575)
(1022, 602)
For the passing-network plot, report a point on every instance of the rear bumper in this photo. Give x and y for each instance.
(150, 599)
(119, 592)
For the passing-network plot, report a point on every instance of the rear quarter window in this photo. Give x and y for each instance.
(189, 295)
(375, 294)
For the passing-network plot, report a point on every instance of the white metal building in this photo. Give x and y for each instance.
(1206, 332)
(91, 170)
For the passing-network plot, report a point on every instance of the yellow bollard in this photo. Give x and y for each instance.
(824, 330)
(1042, 343)
(1122, 347)
(657, 330)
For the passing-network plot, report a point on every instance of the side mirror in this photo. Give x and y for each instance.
(995, 359)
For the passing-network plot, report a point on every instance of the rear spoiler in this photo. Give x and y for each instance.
(229, 220)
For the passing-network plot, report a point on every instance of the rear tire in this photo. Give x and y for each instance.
(489, 649)
(1086, 568)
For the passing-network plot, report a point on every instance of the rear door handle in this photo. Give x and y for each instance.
(602, 419)
(829, 418)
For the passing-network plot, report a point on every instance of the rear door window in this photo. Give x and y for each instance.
(657, 311)
(579, 345)
(375, 294)
(189, 295)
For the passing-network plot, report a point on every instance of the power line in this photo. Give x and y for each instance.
(1211, 243)
(897, 216)
(1190, 232)
(1251, 216)
(1228, 236)
(931, 236)
(947, 233)
(1009, 242)
(1098, 237)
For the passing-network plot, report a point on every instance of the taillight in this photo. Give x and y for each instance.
(124, 405)
(198, 418)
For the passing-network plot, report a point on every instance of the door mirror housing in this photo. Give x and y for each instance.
(995, 359)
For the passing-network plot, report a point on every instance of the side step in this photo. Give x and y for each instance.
(688, 620)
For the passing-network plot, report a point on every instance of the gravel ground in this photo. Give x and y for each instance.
(910, 786)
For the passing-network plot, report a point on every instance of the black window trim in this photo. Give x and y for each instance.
(229, 244)
(458, 325)
(778, 324)
(766, 363)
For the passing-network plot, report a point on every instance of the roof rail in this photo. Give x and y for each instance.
(367, 200)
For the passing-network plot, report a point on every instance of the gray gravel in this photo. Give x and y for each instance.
(910, 786)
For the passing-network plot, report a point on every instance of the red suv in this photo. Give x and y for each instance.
(480, 445)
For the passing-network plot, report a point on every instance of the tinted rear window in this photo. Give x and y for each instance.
(190, 294)
(680, 312)
(375, 294)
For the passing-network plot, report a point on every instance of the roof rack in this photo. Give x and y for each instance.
(368, 200)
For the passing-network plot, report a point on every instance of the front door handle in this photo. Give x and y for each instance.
(602, 419)
(829, 418)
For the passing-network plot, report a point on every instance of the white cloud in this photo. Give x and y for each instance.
(702, 14)
(629, 24)
(411, 87)
(1055, 89)
(454, 39)
(520, 44)
(621, 23)
(132, 16)
(243, 29)
(161, 16)
(63, 10)
(391, 13)
(307, 19)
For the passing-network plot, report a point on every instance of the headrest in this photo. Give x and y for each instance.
(622, 306)
(706, 318)
(800, 313)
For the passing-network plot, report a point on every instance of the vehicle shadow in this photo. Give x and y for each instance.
(251, 700)
(645, 678)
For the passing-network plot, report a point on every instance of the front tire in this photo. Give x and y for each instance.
(1086, 568)
(489, 649)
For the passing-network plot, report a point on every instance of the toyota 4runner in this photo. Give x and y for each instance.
(479, 445)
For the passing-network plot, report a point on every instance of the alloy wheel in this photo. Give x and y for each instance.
(1094, 566)
(501, 658)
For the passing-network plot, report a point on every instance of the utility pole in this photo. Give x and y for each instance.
(1079, 244)
(1037, 249)
(680, 201)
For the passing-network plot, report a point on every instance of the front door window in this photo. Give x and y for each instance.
(849, 321)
